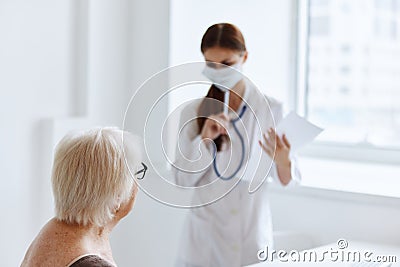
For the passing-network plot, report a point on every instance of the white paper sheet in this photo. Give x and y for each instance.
(298, 130)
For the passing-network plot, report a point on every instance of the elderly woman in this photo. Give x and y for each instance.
(93, 191)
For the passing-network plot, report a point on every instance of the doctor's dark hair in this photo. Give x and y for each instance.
(224, 35)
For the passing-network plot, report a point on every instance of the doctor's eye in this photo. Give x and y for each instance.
(216, 65)
(227, 63)
(211, 64)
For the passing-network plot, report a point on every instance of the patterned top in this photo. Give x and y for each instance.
(90, 261)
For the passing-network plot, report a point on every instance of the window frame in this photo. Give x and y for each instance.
(299, 93)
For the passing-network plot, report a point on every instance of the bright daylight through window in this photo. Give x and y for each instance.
(352, 72)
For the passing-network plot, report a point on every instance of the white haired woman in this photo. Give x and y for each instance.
(93, 191)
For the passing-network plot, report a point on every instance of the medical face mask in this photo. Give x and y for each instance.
(224, 78)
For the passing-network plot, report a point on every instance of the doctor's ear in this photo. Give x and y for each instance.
(245, 55)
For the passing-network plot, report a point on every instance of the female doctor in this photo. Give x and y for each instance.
(231, 230)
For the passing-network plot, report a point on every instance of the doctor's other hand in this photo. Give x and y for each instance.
(214, 126)
(281, 147)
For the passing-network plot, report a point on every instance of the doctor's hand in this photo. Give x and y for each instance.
(215, 126)
(278, 149)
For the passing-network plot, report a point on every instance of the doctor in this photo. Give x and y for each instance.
(229, 231)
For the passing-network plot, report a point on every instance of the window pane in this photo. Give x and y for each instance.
(353, 79)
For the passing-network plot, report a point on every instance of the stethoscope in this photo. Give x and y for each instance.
(233, 121)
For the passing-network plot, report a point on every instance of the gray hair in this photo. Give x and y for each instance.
(92, 174)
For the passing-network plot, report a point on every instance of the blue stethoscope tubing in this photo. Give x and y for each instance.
(233, 121)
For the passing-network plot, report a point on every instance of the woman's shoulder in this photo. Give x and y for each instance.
(262, 98)
(262, 101)
(273, 102)
(53, 246)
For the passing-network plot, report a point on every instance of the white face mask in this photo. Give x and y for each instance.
(224, 78)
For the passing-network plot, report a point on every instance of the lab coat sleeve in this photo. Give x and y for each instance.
(193, 155)
(277, 111)
(295, 172)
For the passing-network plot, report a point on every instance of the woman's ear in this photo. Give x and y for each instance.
(118, 206)
(127, 206)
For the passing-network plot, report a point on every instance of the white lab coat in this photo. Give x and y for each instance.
(231, 230)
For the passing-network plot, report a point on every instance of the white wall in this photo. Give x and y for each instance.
(325, 216)
(147, 237)
(35, 81)
(64, 64)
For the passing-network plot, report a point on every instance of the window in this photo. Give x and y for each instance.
(349, 79)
